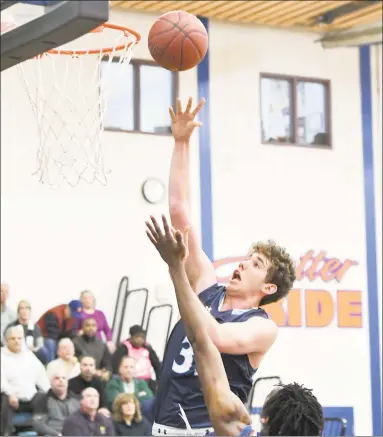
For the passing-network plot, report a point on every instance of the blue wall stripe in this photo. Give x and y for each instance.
(369, 210)
(205, 154)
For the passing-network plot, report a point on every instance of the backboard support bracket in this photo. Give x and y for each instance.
(64, 22)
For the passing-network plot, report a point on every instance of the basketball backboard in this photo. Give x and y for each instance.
(29, 28)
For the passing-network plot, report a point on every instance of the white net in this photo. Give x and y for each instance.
(68, 99)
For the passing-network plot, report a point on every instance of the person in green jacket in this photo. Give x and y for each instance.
(125, 382)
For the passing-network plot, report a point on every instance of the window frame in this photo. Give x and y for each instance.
(137, 63)
(293, 80)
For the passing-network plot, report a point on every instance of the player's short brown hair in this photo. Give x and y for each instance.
(281, 272)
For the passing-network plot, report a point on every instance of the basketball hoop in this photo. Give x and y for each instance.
(65, 88)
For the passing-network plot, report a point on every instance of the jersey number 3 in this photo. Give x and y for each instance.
(184, 363)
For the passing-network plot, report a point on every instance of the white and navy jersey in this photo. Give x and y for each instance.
(180, 401)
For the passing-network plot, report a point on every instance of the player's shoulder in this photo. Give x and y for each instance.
(212, 292)
(263, 326)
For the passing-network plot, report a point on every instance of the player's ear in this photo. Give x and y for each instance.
(269, 289)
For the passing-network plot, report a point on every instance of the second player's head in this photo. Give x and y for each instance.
(266, 275)
(292, 410)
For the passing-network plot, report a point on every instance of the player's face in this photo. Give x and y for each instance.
(250, 276)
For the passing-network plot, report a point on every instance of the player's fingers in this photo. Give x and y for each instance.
(199, 107)
(180, 241)
(150, 229)
(172, 114)
(166, 226)
(178, 237)
(154, 242)
(156, 227)
(189, 105)
(179, 106)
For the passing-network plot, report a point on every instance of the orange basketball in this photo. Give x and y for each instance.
(178, 41)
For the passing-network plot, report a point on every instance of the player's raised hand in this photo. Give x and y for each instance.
(183, 122)
(171, 244)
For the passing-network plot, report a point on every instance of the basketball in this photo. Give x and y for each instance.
(178, 41)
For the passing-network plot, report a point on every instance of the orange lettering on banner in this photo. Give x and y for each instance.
(330, 269)
(346, 265)
(294, 313)
(319, 308)
(349, 309)
(299, 271)
(276, 313)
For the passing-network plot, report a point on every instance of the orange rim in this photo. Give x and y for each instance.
(125, 30)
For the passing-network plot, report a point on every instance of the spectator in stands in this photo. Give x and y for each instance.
(88, 344)
(7, 315)
(66, 360)
(127, 417)
(89, 311)
(58, 404)
(88, 421)
(125, 382)
(59, 322)
(88, 378)
(32, 333)
(21, 375)
(147, 359)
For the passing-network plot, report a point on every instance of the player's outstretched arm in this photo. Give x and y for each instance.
(227, 413)
(199, 269)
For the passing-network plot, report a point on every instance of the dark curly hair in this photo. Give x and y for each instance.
(292, 410)
(281, 272)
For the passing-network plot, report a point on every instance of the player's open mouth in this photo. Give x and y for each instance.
(236, 275)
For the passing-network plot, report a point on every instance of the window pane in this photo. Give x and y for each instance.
(118, 92)
(311, 112)
(156, 85)
(276, 111)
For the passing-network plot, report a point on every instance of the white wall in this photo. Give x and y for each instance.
(376, 86)
(54, 243)
(303, 198)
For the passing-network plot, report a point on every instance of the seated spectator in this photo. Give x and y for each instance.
(33, 337)
(126, 383)
(21, 374)
(147, 359)
(58, 404)
(59, 322)
(127, 417)
(89, 311)
(66, 360)
(7, 315)
(87, 421)
(88, 344)
(88, 378)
